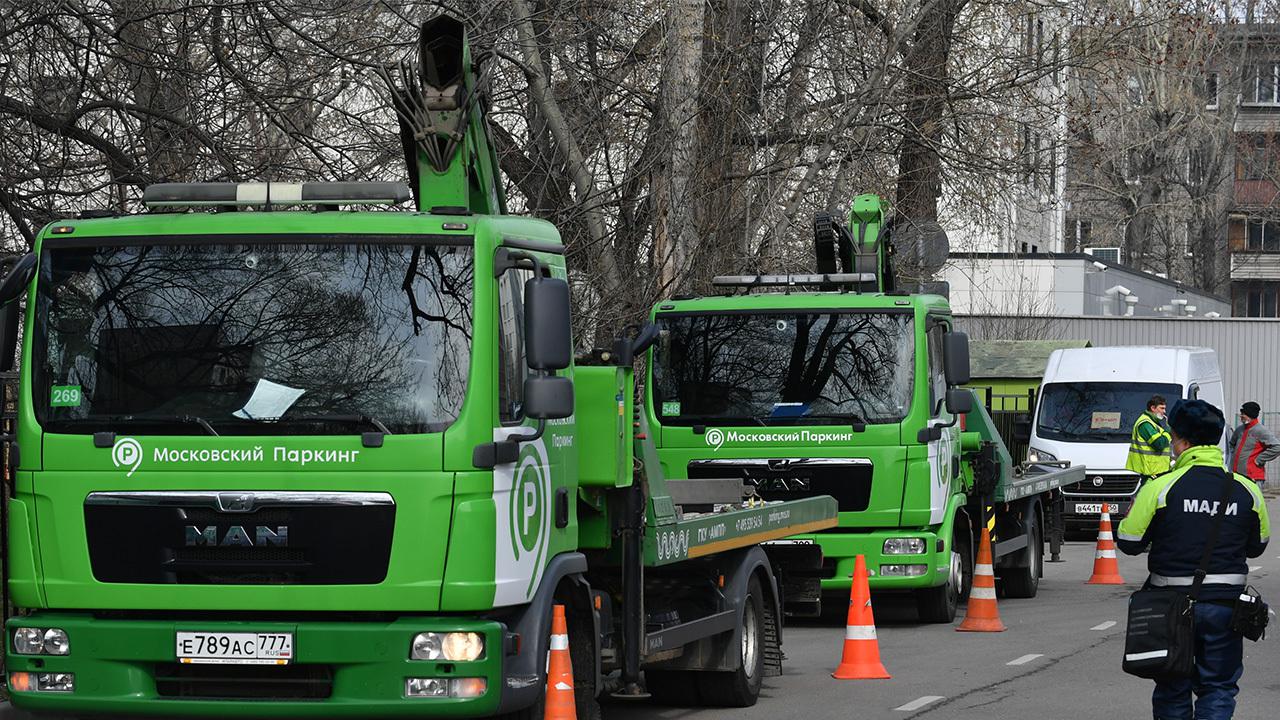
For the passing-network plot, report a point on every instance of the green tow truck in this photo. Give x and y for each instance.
(275, 456)
(837, 383)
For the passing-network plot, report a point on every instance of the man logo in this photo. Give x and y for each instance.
(1097, 482)
(715, 436)
(127, 452)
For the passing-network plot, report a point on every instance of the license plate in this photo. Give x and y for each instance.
(1096, 508)
(210, 648)
(787, 542)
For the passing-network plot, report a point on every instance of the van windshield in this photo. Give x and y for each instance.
(1096, 412)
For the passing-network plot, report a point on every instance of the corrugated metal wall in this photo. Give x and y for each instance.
(1248, 348)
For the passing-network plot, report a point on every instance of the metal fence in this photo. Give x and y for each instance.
(1006, 411)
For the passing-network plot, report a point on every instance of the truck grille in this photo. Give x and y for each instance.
(244, 682)
(846, 480)
(1110, 485)
(239, 538)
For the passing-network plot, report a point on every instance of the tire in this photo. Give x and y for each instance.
(740, 688)
(1024, 582)
(939, 604)
(582, 655)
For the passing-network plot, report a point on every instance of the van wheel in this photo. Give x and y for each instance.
(939, 604)
(1024, 582)
(741, 687)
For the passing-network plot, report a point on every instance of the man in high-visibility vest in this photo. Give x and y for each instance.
(1149, 442)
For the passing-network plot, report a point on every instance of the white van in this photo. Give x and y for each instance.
(1087, 405)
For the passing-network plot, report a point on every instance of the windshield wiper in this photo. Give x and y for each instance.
(370, 439)
(184, 419)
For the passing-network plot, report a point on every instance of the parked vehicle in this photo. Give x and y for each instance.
(296, 460)
(1088, 403)
(838, 383)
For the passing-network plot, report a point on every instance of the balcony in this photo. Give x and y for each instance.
(1255, 266)
(1256, 193)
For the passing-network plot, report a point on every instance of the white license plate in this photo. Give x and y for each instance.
(210, 648)
(1096, 508)
(787, 542)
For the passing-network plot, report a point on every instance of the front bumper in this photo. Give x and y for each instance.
(840, 551)
(116, 663)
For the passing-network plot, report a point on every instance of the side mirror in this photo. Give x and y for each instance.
(547, 343)
(955, 349)
(959, 401)
(16, 281)
(548, 397)
(1022, 429)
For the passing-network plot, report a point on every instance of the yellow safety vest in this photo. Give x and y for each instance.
(1144, 459)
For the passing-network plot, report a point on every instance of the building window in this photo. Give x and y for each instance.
(1256, 161)
(1260, 84)
(1211, 91)
(1263, 236)
(1256, 300)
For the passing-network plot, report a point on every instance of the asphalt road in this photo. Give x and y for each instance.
(1060, 658)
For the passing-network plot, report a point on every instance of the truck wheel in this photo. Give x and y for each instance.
(1024, 582)
(582, 655)
(741, 687)
(939, 604)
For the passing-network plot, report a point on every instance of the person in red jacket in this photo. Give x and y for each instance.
(1252, 445)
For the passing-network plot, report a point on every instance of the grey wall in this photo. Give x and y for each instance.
(1248, 348)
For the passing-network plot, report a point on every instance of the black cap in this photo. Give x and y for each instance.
(1252, 409)
(1197, 422)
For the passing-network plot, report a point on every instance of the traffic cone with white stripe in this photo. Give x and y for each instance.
(559, 703)
(982, 614)
(861, 657)
(1106, 569)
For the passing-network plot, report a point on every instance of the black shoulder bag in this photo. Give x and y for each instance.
(1160, 642)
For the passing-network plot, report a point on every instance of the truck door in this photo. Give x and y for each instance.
(942, 452)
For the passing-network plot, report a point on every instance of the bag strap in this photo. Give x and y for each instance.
(1212, 543)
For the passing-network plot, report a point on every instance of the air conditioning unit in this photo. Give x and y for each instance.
(1107, 254)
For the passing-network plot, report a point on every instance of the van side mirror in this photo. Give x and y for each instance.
(15, 282)
(547, 327)
(959, 401)
(1022, 429)
(548, 397)
(955, 349)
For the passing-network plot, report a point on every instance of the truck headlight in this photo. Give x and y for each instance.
(454, 646)
(28, 641)
(904, 546)
(1036, 455)
(41, 641)
(56, 642)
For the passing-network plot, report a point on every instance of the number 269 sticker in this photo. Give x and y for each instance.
(64, 396)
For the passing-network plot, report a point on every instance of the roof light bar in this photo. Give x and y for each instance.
(791, 280)
(310, 193)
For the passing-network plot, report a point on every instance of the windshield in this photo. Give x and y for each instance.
(1096, 412)
(255, 338)
(783, 368)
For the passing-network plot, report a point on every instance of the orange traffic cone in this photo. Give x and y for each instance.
(982, 615)
(861, 657)
(559, 703)
(1106, 569)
